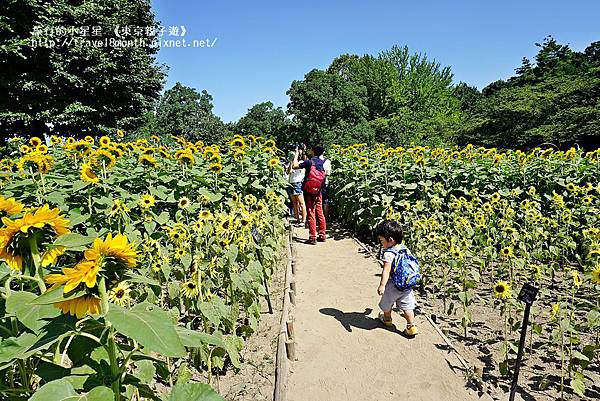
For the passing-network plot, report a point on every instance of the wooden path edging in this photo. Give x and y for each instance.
(285, 339)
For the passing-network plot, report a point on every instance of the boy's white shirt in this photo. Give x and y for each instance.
(388, 257)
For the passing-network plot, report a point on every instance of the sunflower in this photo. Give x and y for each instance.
(15, 235)
(250, 199)
(183, 203)
(83, 272)
(41, 149)
(88, 174)
(185, 157)
(190, 289)
(216, 167)
(55, 140)
(204, 215)
(531, 190)
(147, 161)
(24, 149)
(272, 163)
(239, 154)
(225, 224)
(457, 254)
(507, 252)
(118, 207)
(10, 206)
(70, 141)
(238, 141)
(587, 200)
(495, 197)
(596, 275)
(120, 133)
(116, 248)
(571, 187)
(104, 141)
(180, 253)
(502, 290)
(204, 199)
(85, 305)
(36, 161)
(244, 221)
(104, 157)
(35, 141)
(119, 294)
(198, 225)
(89, 139)
(146, 201)
(49, 257)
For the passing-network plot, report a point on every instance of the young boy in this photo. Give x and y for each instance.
(390, 236)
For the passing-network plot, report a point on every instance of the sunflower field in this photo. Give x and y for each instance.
(483, 222)
(132, 269)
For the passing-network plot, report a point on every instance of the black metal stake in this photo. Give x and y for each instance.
(527, 295)
(513, 387)
(268, 296)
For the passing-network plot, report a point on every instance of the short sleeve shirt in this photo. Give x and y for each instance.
(388, 257)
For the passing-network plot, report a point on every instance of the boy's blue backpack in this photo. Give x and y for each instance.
(406, 271)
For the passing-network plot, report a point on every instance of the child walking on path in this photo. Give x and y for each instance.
(390, 236)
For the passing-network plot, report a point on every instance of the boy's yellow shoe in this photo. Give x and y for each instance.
(411, 331)
(386, 321)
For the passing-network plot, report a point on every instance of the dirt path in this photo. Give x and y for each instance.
(343, 353)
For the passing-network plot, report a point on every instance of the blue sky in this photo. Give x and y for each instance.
(262, 46)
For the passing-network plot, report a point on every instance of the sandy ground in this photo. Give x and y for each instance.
(343, 353)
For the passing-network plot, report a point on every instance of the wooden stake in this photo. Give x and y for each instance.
(290, 329)
(293, 297)
(293, 286)
(290, 347)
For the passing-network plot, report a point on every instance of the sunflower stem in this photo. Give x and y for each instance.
(37, 263)
(111, 348)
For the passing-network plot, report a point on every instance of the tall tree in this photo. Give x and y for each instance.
(265, 119)
(52, 73)
(323, 106)
(183, 111)
(554, 100)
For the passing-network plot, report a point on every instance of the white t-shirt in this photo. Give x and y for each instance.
(327, 168)
(297, 175)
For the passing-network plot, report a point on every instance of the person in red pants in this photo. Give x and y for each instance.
(314, 180)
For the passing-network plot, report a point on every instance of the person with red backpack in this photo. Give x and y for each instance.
(314, 180)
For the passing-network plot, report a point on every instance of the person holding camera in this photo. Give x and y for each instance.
(314, 179)
(296, 178)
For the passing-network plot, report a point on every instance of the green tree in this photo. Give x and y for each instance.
(53, 76)
(185, 112)
(325, 105)
(267, 120)
(554, 100)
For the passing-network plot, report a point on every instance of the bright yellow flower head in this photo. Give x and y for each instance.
(117, 247)
(10, 206)
(104, 141)
(84, 272)
(88, 174)
(120, 294)
(596, 275)
(86, 305)
(146, 201)
(502, 290)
